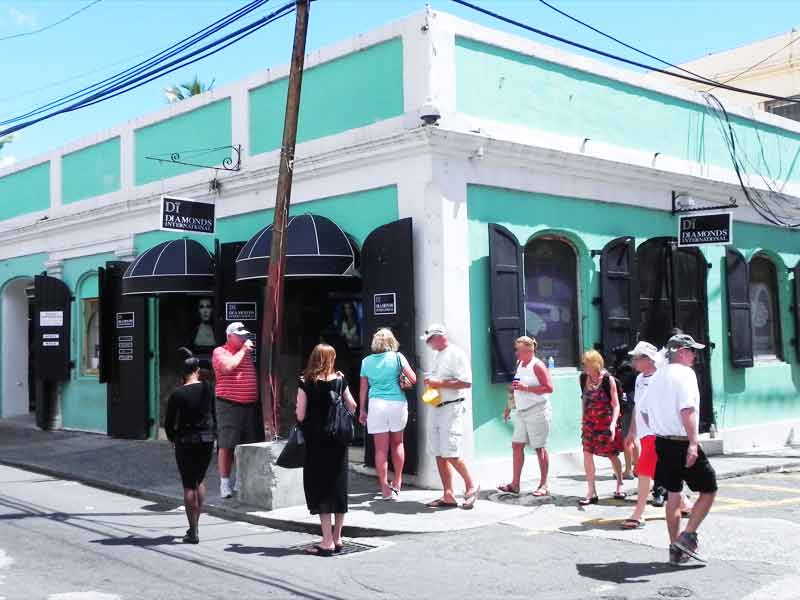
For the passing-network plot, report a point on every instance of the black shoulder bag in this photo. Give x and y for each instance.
(340, 425)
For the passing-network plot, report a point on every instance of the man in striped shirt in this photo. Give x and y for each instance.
(238, 417)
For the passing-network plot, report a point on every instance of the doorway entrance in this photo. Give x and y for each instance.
(17, 371)
(673, 295)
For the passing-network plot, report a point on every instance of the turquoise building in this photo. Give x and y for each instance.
(536, 196)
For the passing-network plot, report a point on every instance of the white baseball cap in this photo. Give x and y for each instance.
(645, 349)
(432, 330)
(237, 328)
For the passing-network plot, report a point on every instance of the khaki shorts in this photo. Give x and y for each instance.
(532, 426)
(447, 430)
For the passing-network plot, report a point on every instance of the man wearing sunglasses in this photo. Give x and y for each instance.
(671, 410)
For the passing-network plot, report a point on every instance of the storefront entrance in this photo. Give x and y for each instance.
(672, 295)
(17, 367)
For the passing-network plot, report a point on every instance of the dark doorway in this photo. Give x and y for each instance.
(672, 294)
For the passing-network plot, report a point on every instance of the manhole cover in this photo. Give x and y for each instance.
(348, 548)
(674, 592)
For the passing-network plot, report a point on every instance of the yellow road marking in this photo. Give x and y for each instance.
(745, 504)
(766, 488)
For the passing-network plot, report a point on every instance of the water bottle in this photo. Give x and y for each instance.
(551, 363)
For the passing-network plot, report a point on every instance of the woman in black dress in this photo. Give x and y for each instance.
(191, 425)
(325, 474)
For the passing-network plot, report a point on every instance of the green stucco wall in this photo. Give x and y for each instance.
(25, 191)
(349, 92)
(766, 392)
(193, 134)
(90, 172)
(510, 87)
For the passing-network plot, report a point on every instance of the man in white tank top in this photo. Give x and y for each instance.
(531, 391)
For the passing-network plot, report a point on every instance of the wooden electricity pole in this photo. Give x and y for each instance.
(272, 318)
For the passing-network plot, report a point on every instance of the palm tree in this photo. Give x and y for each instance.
(6, 140)
(176, 93)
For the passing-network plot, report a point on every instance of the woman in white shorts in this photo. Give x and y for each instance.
(381, 372)
(531, 388)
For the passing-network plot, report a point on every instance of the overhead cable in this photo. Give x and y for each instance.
(51, 25)
(628, 61)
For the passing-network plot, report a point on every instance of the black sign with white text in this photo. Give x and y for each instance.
(705, 230)
(385, 304)
(240, 311)
(181, 214)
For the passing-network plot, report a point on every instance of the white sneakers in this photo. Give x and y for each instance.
(225, 488)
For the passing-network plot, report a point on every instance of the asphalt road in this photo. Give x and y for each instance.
(60, 540)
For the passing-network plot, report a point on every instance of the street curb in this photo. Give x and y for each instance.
(215, 510)
(232, 514)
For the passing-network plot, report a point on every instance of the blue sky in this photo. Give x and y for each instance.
(114, 34)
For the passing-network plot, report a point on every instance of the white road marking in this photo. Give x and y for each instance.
(84, 596)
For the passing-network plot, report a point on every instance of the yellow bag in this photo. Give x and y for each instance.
(432, 397)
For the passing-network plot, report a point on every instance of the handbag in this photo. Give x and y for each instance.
(293, 455)
(432, 397)
(340, 425)
(405, 383)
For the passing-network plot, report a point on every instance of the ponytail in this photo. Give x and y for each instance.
(190, 363)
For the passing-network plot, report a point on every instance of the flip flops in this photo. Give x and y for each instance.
(541, 493)
(317, 550)
(588, 500)
(620, 495)
(470, 498)
(633, 524)
(441, 503)
(508, 489)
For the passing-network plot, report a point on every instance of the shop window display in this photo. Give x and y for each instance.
(764, 313)
(551, 299)
(91, 337)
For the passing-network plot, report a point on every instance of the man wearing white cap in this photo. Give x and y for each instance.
(672, 411)
(237, 400)
(451, 375)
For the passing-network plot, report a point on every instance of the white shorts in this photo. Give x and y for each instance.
(447, 430)
(386, 416)
(532, 426)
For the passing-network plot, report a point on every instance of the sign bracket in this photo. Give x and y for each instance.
(229, 163)
(676, 209)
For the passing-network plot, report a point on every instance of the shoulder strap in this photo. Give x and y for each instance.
(583, 379)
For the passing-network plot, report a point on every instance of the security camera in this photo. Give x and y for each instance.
(430, 113)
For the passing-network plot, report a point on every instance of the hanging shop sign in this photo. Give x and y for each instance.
(51, 318)
(710, 229)
(183, 214)
(385, 304)
(126, 320)
(240, 311)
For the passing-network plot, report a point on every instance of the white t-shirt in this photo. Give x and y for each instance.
(527, 377)
(451, 363)
(672, 389)
(640, 395)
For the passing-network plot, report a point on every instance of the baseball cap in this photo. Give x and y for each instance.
(432, 330)
(644, 349)
(683, 340)
(237, 329)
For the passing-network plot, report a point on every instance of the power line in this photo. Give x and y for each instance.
(51, 25)
(628, 61)
(132, 83)
(618, 41)
(759, 63)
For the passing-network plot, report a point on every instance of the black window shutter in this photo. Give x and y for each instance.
(740, 328)
(507, 304)
(796, 310)
(619, 295)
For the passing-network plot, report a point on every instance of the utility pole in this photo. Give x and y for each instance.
(272, 318)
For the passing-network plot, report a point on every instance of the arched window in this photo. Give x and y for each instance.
(89, 325)
(551, 299)
(764, 312)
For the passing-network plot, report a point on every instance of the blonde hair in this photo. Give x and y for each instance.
(320, 363)
(527, 341)
(593, 358)
(384, 341)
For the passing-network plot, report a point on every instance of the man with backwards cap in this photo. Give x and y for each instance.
(238, 419)
(671, 410)
(451, 375)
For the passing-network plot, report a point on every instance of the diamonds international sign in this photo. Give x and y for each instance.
(183, 214)
(710, 229)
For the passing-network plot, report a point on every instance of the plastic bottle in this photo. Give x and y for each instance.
(551, 363)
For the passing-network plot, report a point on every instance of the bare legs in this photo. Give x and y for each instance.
(699, 511)
(225, 462)
(381, 441)
(616, 464)
(518, 454)
(446, 475)
(544, 468)
(331, 533)
(591, 479)
(631, 457)
(641, 498)
(398, 457)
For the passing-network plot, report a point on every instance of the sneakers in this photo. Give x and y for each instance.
(225, 488)
(677, 556)
(687, 543)
(191, 537)
(659, 497)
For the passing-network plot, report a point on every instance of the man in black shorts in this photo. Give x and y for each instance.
(672, 410)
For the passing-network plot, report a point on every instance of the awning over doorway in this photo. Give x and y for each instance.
(315, 247)
(173, 267)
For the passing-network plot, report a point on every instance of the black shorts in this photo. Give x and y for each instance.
(238, 423)
(193, 461)
(671, 471)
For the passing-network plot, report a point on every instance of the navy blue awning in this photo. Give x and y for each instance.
(174, 267)
(315, 247)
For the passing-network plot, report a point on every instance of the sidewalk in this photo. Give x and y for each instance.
(146, 469)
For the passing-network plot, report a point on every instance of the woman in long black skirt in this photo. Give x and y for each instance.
(325, 474)
(191, 424)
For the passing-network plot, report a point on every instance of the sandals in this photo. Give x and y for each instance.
(633, 524)
(441, 503)
(620, 495)
(317, 550)
(588, 500)
(541, 492)
(508, 489)
(470, 498)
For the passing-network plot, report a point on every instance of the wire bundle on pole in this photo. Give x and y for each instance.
(171, 59)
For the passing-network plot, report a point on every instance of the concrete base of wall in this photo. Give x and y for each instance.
(264, 484)
(768, 436)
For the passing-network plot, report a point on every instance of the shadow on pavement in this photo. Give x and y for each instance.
(142, 542)
(396, 507)
(263, 551)
(626, 572)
